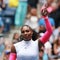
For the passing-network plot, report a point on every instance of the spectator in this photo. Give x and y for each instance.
(41, 2)
(49, 6)
(33, 21)
(57, 46)
(56, 14)
(2, 8)
(41, 24)
(39, 6)
(16, 38)
(6, 54)
(56, 32)
(41, 54)
(48, 48)
(8, 44)
(7, 50)
(2, 4)
(54, 37)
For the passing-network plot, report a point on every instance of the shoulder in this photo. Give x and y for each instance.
(18, 45)
(15, 46)
(39, 42)
(13, 50)
(40, 45)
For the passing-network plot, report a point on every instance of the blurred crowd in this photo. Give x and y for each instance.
(16, 13)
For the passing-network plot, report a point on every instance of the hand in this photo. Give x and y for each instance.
(44, 12)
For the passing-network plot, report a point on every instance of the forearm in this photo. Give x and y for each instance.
(48, 32)
(48, 25)
(12, 56)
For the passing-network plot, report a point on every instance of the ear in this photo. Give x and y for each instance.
(31, 32)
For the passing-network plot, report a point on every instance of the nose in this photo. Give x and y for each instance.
(25, 33)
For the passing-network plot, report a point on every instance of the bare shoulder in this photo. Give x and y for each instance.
(13, 50)
(40, 45)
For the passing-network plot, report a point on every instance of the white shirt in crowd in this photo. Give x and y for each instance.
(32, 22)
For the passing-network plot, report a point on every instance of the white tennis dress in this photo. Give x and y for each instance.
(27, 50)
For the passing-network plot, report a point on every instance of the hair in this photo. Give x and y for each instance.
(26, 26)
(41, 50)
(14, 35)
(58, 1)
(33, 12)
(35, 35)
(2, 1)
(56, 42)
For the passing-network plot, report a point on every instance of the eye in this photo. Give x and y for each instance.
(27, 30)
(22, 32)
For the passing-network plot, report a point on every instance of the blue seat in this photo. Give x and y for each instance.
(9, 11)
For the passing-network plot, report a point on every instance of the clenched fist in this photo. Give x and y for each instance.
(44, 12)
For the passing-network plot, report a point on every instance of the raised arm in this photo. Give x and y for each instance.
(48, 33)
(13, 53)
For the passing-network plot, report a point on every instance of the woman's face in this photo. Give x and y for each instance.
(26, 33)
(33, 12)
(16, 36)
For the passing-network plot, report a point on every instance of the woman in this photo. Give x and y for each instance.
(56, 47)
(28, 49)
(16, 37)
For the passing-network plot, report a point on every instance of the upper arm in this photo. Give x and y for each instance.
(40, 45)
(13, 54)
(13, 50)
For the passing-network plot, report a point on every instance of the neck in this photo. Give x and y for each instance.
(27, 39)
(40, 58)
